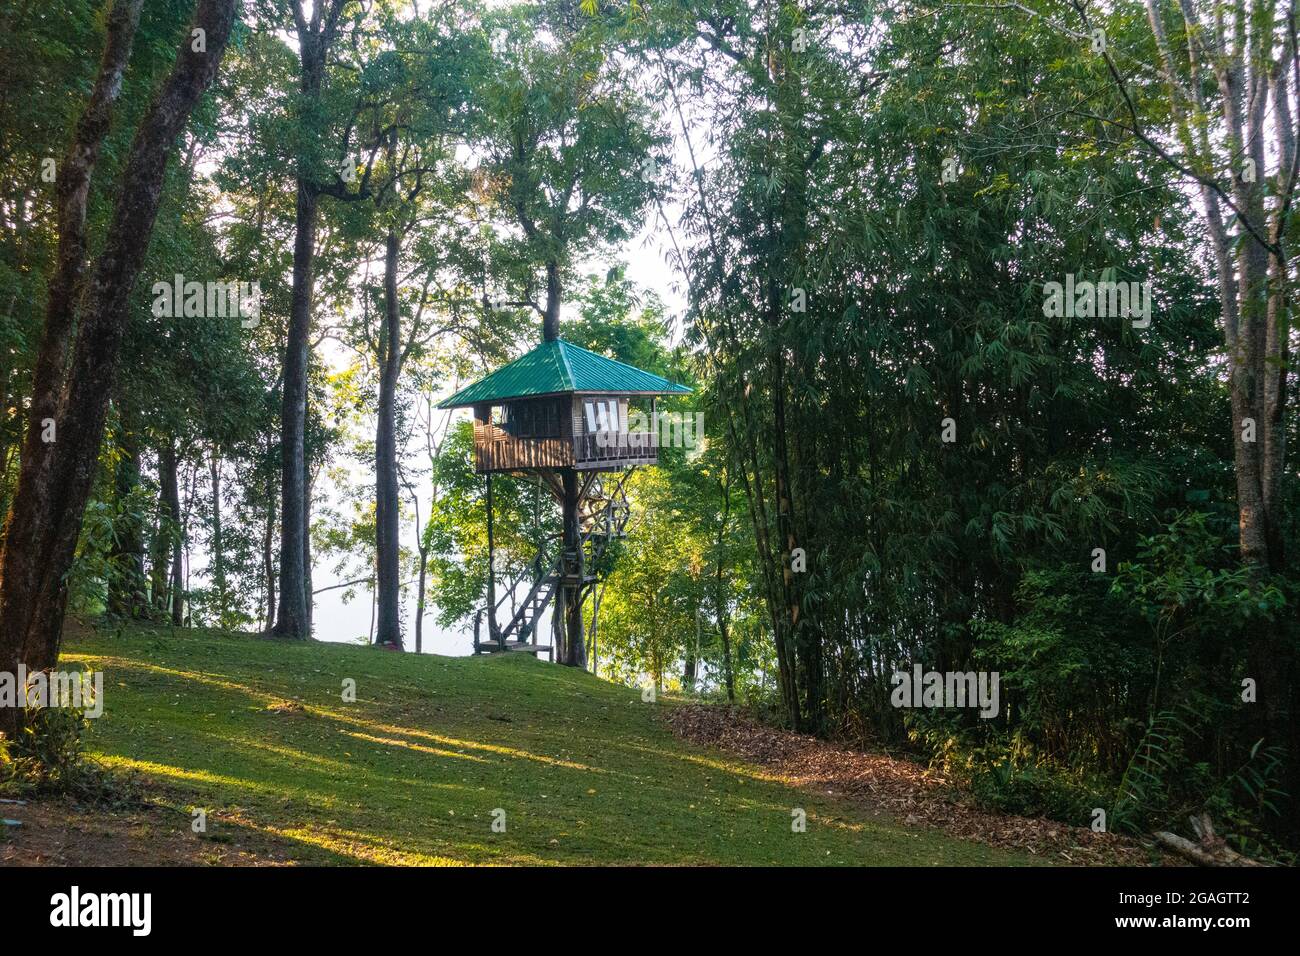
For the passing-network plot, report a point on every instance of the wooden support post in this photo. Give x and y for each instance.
(575, 649)
(595, 619)
(558, 617)
(492, 570)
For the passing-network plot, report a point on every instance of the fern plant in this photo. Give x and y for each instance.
(1144, 788)
(1248, 796)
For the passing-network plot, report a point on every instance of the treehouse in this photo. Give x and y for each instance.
(560, 406)
(570, 418)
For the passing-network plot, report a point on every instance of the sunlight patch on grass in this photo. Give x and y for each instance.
(151, 768)
(420, 748)
(713, 763)
(210, 680)
(359, 846)
(296, 756)
(454, 741)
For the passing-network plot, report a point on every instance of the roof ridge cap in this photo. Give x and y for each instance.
(568, 370)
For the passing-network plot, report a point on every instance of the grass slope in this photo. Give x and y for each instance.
(256, 732)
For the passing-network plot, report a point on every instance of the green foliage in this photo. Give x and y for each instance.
(566, 133)
(1163, 784)
(48, 757)
(1248, 797)
(101, 562)
(1184, 581)
(1034, 792)
(1066, 662)
(1118, 693)
(1143, 790)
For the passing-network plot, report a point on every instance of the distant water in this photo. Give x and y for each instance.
(332, 620)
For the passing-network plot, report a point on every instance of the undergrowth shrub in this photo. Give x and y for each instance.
(1122, 692)
(47, 757)
(1033, 792)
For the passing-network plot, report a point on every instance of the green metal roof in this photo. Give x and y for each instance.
(556, 367)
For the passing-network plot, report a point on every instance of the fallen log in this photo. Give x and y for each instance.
(1211, 851)
(1186, 848)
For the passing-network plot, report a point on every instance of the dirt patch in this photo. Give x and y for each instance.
(61, 832)
(913, 794)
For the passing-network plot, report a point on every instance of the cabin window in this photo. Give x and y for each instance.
(528, 419)
(525, 420)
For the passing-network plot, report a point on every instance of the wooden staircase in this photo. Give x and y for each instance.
(602, 518)
(520, 632)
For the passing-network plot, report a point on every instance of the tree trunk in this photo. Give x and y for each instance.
(388, 628)
(575, 647)
(559, 616)
(308, 598)
(292, 621)
(720, 593)
(218, 558)
(73, 190)
(724, 634)
(596, 594)
(551, 318)
(56, 478)
(268, 565)
(158, 557)
(126, 584)
(21, 576)
(419, 598)
(1257, 462)
(314, 41)
(724, 631)
(170, 527)
(1252, 290)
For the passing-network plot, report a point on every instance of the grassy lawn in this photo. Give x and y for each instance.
(257, 733)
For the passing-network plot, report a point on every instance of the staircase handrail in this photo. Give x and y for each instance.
(527, 601)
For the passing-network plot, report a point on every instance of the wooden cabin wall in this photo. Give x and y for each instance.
(571, 443)
(495, 449)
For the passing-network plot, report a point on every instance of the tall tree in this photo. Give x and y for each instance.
(417, 197)
(1223, 117)
(316, 35)
(72, 398)
(570, 146)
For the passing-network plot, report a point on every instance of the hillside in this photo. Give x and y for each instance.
(256, 732)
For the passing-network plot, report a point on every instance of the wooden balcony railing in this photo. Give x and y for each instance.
(616, 446)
